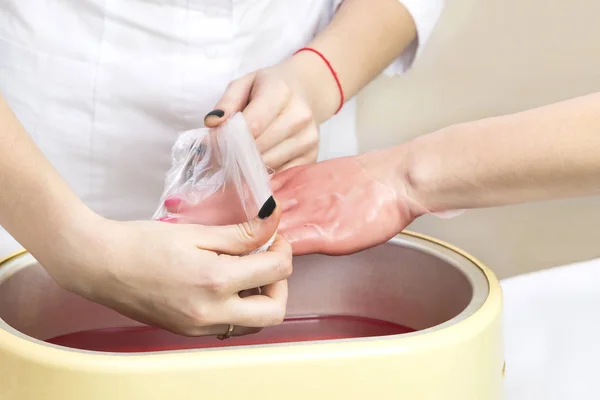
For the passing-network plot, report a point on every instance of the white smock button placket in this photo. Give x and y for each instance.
(209, 57)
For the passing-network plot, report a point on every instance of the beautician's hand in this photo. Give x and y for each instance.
(343, 205)
(278, 104)
(184, 278)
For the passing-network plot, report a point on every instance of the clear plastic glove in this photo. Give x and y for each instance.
(343, 205)
(217, 177)
(183, 278)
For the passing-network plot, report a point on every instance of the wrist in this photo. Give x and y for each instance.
(427, 177)
(78, 239)
(316, 84)
(391, 167)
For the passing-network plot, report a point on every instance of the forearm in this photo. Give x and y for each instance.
(36, 205)
(364, 37)
(546, 153)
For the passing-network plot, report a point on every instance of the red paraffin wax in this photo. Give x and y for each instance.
(299, 329)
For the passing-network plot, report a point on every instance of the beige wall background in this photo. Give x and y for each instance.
(489, 58)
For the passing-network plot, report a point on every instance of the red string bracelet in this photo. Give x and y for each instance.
(337, 80)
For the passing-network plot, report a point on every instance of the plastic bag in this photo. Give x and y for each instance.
(217, 177)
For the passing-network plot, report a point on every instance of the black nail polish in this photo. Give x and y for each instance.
(215, 113)
(267, 209)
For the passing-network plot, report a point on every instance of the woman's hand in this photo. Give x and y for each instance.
(344, 205)
(283, 106)
(286, 103)
(184, 278)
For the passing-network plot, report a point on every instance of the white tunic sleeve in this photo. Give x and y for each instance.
(425, 14)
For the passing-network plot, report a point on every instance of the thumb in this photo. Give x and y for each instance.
(241, 238)
(234, 99)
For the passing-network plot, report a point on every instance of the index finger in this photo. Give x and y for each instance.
(267, 100)
(257, 270)
(234, 99)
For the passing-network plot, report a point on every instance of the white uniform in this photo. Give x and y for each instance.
(103, 86)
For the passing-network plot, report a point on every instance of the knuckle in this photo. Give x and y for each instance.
(246, 232)
(254, 125)
(231, 88)
(313, 137)
(256, 129)
(215, 283)
(278, 316)
(237, 82)
(279, 87)
(284, 267)
(304, 114)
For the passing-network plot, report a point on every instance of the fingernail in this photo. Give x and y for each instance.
(215, 113)
(166, 219)
(172, 203)
(267, 209)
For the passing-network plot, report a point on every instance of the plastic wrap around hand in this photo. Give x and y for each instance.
(217, 177)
